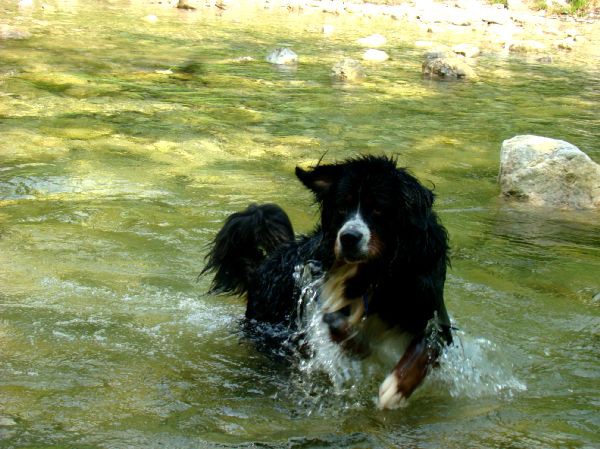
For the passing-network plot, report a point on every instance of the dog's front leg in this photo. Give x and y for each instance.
(409, 372)
(342, 332)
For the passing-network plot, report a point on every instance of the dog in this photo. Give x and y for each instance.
(382, 248)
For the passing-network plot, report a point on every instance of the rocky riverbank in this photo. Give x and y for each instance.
(512, 28)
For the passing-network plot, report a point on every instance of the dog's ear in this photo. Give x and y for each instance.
(420, 206)
(319, 179)
(417, 199)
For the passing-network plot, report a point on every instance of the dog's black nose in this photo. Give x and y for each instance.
(350, 238)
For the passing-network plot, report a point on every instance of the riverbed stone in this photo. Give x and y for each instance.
(548, 172)
(374, 55)
(447, 68)
(282, 56)
(348, 70)
(527, 46)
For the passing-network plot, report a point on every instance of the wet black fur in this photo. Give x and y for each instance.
(255, 252)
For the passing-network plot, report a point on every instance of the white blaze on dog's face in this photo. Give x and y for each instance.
(353, 239)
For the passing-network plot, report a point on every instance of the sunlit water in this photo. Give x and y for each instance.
(125, 143)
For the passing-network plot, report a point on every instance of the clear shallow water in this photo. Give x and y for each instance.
(113, 178)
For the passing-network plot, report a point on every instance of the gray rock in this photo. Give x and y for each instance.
(348, 69)
(447, 67)
(548, 172)
(282, 56)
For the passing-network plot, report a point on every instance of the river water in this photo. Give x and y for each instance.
(125, 142)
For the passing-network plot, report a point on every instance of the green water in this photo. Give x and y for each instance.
(115, 174)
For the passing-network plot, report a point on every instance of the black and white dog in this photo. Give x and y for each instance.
(383, 250)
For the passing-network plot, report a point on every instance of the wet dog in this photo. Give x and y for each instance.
(381, 246)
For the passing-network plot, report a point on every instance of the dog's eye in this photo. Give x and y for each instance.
(342, 210)
(376, 212)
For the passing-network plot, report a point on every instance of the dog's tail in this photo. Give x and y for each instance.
(243, 242)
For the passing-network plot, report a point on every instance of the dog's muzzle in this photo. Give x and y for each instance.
(352, 243)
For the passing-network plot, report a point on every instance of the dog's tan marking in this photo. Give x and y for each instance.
(333, 293)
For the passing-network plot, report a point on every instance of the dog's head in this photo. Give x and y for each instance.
(368, 205)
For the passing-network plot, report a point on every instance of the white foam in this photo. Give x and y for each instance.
(472, 367)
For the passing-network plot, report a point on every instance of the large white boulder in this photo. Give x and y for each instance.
(549, 172)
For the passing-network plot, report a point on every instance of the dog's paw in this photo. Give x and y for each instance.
(390, 396)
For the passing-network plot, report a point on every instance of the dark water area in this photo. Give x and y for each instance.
(124, 143)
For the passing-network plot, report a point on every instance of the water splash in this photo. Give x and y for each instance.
(475, 367)
(471, 368)
(324, 356)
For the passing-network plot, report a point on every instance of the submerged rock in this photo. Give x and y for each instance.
(348, 69)
(282, 56)
(548, 172)
(446, 67)
(375, 55)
